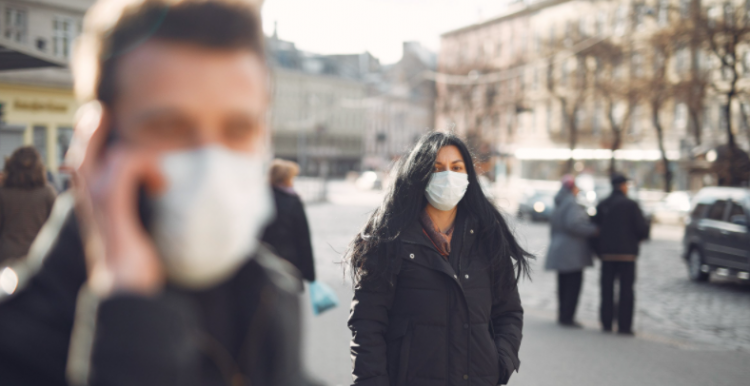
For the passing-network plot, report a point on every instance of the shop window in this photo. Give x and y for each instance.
(16, 22)
(64, 136)
(40, 141)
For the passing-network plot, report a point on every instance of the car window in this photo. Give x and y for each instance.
(716, 212)
(737, 210)
(699, 211)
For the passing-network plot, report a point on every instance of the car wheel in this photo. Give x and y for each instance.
(695, 266)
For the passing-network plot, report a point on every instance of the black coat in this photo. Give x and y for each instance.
(436, 325)
(248, 325)
(621, 225)
(289, 234)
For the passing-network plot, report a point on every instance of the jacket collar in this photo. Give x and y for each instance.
(466, 228)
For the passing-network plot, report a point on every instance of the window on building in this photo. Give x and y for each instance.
(636, 61)
(64, 30)
(40, 141)
(621, 16)
(662, 13)
(596, 119)
(729, 14)
(639, 14)
(549, 117)
(601, 21)
(682, 60)
(16, 23)
(685, 8)
(680, 117)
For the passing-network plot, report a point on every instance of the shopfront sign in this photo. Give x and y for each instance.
(37, 106)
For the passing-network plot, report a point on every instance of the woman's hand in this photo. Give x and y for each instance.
(120, 255)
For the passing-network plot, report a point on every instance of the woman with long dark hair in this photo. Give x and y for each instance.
(26, 200)
(436, 299)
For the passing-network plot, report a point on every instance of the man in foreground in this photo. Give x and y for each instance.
(157, 277)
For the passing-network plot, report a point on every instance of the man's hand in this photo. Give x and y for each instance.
(119, 252)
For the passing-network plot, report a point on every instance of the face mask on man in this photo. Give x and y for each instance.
(209, 220)
(446, 189)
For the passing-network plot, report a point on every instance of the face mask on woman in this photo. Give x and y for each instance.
(208, 222)
(446, 189)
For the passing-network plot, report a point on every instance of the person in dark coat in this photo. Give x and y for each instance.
(569, 251)
(436, 299)
(150, 271)
(26, 200)
(621, 229)
(289, 233)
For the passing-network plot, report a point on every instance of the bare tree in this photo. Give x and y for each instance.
(723, 28)
(620, 96)
(568, 82)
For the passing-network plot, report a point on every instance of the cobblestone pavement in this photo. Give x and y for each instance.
(668, 305)
(669, 308)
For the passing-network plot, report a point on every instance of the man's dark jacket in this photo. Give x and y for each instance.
(621, 225)
(434, 321)
(289, 234)
(246, 328)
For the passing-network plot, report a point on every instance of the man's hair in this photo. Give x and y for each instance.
(282, 171)
(25, 169)
(112, 28)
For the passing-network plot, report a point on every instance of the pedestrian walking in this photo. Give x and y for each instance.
(289, 233)
(436, 298)
(621, 229)
(26, 200)
(158, 276)
(569, 251)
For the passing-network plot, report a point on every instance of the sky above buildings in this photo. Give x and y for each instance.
(377, 26)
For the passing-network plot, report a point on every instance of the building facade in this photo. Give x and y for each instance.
(554, 75)
(36, 98)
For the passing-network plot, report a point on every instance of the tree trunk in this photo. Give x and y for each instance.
(745, 121)
(617, 137)
(731, 144)
(697, 128)
(655, 107)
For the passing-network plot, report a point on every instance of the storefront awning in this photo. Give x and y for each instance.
(17, 57)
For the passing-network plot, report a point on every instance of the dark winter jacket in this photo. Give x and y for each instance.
(435, 325)
(22, 214)
(621, 225)
(570, 228)
(246, 328)
(289, 234)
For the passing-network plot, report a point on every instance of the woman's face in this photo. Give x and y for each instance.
(449, 158)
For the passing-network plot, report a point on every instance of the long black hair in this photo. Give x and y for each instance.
(370, 253)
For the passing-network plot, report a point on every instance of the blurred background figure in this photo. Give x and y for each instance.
(289, 234)
(569, 251)
(622, 228)
(26, 200)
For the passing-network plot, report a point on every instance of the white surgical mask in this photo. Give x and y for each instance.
(208, 222)
(446, 189)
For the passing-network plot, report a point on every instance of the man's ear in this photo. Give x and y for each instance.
(91, 135)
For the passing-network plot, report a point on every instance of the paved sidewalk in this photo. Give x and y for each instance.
(552, 355)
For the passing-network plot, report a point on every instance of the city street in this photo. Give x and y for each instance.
(687, 333)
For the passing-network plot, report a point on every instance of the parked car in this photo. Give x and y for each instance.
(716, 236)
(537, 205)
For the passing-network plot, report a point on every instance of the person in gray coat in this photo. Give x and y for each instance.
(569, 252)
